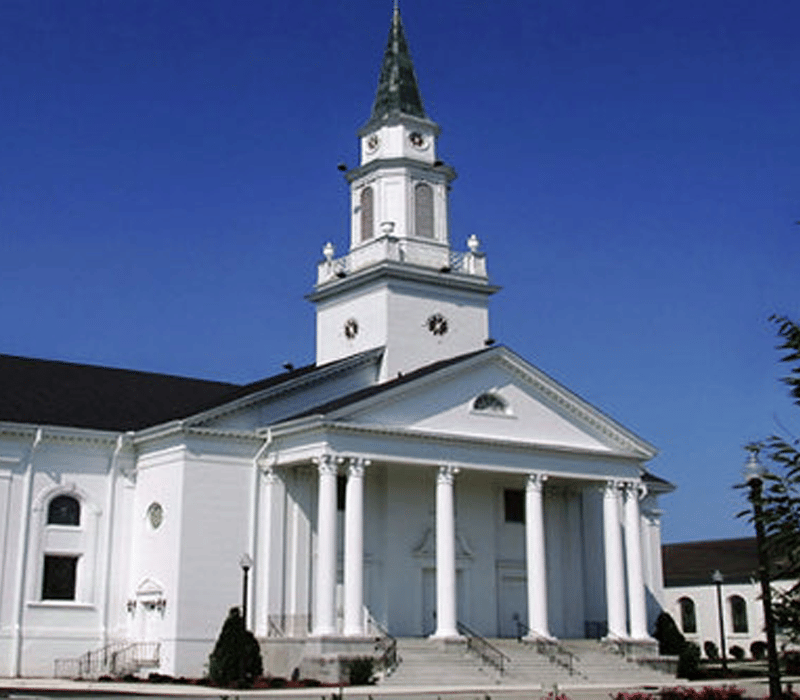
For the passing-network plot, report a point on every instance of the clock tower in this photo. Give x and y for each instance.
(401, 286)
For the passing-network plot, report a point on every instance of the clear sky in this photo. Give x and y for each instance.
(168, 179)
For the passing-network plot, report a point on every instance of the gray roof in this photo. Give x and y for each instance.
(397, 85)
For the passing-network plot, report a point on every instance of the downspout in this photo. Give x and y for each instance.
(111, 503)
(253, 536)
(22, 559)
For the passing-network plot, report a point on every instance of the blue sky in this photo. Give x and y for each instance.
(169, 178)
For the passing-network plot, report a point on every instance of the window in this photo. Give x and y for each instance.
(367, 214)
(688, 618)
(489, 402)
(64, 510)
(514, 502)
(739, 613)
(58, 580)
(423, 210)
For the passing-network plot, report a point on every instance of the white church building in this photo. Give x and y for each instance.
(416, 478)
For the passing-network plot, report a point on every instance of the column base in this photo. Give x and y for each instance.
(534, 637)
(446, 636)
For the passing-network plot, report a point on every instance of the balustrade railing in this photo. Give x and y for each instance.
(483, 648)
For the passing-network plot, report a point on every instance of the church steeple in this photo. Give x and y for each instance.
(400, 286)
(397, 85)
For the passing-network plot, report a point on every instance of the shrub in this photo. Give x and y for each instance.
(707, 693)
(688, 661)
(737, 652)
(791, 663)
(710, 648)
(758, 650)
(236, 659)
(361, 671)
(641, 695)
(670, 640)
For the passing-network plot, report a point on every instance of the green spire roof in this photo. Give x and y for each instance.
(397, 85)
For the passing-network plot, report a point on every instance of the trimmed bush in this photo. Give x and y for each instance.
(688, 661)
(670, 640)
(758, 650)
(236, 659)
(361, 671)
(710, 648)
(737, 652)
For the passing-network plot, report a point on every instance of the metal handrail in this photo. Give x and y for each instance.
(550, 648)
(386, 644)
(483, 648)
(114, 659)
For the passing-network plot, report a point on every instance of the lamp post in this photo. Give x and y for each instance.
(245, 562)
(753, 476)
(718, 578)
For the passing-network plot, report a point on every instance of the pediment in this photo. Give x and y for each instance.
(496, 396)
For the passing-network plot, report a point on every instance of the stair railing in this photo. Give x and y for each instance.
(114, 659)
(555, 652)
(386, 645)
(483, 648)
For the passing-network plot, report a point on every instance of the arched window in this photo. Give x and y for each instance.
(489, 402)
(367, 214)
(64, 510)
(423, 210)
(739, 613)
(688, 617)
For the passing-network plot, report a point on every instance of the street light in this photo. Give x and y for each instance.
(245, 562)
(753, 476)
(718, 578)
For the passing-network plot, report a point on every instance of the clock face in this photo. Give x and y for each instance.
(373, 141)
(437, 324)
(350, 328)
(417, 140)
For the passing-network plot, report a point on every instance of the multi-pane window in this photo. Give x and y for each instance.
(58, 577)
(688, 617)
(367, 214)
(514, 505)
(423, 210)
(739, 613)
(64, 510)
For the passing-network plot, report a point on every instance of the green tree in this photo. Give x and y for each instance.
(781, 492)
(236, 659)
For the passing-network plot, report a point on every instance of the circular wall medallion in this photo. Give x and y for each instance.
(155, 515)
(350, 328)
(437, 324)
(373, 141)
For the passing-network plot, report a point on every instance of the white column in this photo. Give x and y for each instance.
(445, 555)
(354, 549)
(325, 594)
(265, 560)
(637, 613)
(615, 574)
(535, 558)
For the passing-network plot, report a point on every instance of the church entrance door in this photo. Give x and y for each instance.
(512, 603)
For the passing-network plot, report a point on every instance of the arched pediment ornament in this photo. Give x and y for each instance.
(427, 546)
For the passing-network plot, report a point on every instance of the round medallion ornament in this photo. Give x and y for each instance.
(350, 328)
(437, 324)
(373, 141)
(155, 515)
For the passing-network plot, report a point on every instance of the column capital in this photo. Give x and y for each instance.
(611, 488)
(635, 488)
(446, 474)
(356, 466)
(268, 474)
(535, 481)
(327, 463)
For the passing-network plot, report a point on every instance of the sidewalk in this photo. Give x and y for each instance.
(21, 687)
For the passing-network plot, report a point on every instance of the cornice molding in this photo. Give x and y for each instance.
(61, 433)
